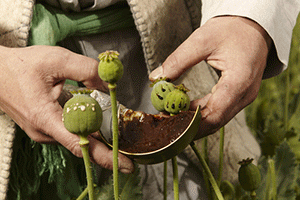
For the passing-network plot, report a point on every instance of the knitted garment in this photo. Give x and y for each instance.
(15, 18)
(7, 134)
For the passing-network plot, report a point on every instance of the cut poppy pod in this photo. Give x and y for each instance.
(177, 100)
(161, 88)
(82, 114)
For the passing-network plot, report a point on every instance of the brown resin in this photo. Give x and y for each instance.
(145, 133)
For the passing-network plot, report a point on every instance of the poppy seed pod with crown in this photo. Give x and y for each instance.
(110, 68)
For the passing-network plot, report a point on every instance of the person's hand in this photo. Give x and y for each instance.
(31, 81)
(237, 48)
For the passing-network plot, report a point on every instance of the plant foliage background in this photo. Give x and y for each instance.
(274, 118)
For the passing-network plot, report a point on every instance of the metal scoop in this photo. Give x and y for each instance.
(164, 153)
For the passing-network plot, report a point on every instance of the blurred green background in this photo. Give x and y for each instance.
(273, 116)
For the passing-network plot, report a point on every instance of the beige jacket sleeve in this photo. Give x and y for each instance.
(277, 17)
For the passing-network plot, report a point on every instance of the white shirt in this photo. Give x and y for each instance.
(277, 17)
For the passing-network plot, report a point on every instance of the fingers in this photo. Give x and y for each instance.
(227, 98)
(106, 158)
(40, 137)
(62, 64)
(83, 69)
(190, 52)
(52, 125)
(33, 103)
(235, 47)
(46, 119)
(202, 102)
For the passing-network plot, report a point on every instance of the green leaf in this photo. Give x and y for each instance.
(70, 184)
(285, 173)
(227, 190)
(286, 166)
(106, 191)
(129, 187)
(293, 136)
(294, 111)
(294, 142)
(297, 187)
(263, 165)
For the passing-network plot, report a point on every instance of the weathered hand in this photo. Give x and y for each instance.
(237, 48)
(31, 81)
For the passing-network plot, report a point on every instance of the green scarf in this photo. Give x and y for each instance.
(50, 25)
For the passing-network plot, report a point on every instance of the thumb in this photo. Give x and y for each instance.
(190, 52)
(82, 69)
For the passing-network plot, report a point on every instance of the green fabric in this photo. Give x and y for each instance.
(71, 82)
(51, 25)
(41, 171)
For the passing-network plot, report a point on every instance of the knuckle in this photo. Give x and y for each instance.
(172, 66)
(251, 91)
(36, 122)
(40, 120)
(173, 61)
(36, 137)
(105, 164)
(220, 120)
(75, 149)
(105, 160)
(253, 95)
(215, 121)
(55, 55)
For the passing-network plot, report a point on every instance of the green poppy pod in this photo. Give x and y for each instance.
(110, 68)
(249, 175)
(160, 90)
(177, 100)
(82, 115)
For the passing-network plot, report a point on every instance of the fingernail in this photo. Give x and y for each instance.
(126, 171)
(157, 73)
(205, 112)
(214, 89)
(126, 167)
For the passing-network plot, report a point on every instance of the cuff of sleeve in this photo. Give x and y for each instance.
(277, 17)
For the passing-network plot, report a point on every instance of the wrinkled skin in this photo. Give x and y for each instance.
(31, 81)
(237, 48)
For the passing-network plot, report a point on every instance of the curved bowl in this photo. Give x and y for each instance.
(169, 151)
